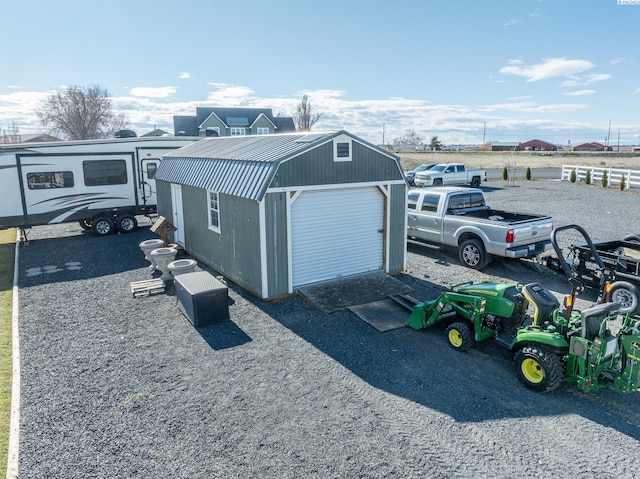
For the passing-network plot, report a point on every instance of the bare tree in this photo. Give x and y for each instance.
(11, 135)
(304, 117)
(410, 137)
(80, 113)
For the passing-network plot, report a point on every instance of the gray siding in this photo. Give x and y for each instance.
(277, 243)
(261, 122)
(316, 167)
(398, 233)
(235, 252)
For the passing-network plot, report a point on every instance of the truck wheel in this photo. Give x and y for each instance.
(472, 254)
(626, 294)
(460, 336)
(102, 226)
(85, 224)
(475, 182)
(437, 182)
(537, 369)
(127, 223)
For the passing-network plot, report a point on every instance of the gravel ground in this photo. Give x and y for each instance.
(117, 387)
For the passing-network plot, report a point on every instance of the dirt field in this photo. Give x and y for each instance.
(478, 159)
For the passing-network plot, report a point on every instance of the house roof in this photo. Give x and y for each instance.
(230, 117)
(240, 165)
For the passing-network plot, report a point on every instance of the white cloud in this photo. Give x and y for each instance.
(184, 75)
(511, 22)
(580, 93)
(150, 92)
(549, 68)
(636, 91)
(229, 95)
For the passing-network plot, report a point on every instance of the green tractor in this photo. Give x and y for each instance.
(594, 348)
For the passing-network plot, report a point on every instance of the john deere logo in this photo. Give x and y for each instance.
(635, 344)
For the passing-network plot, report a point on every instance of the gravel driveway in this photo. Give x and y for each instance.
(117, 387)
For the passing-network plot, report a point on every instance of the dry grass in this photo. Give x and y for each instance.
(7, 254)
(498, 159)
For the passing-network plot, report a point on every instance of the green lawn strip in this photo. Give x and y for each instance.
(7, 259)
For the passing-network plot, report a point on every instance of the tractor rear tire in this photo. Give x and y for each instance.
(460, 336)
(626, 294)
(538, 369)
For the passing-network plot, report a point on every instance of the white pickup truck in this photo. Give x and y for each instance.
(446, 174)
(460, 217)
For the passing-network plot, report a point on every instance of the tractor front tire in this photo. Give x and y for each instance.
(537, 369)
(460, 336)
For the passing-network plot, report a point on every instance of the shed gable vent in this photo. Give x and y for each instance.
(342, 146)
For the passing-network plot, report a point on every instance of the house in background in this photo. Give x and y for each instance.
(232, 122)
(593, 146)
(273, 213)
(538, 145)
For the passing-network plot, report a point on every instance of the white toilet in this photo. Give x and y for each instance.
(162, 257)
(181, 266)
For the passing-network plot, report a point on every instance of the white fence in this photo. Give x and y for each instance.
(631, 177)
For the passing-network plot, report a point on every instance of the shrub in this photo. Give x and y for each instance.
(505, 174)
(527, 175)
(587, 178)
(573, 176)
(621, 185)
(604, 182)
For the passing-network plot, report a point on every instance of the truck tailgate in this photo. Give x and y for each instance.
(532, 231)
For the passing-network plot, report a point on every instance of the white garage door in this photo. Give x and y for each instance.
(336, 233)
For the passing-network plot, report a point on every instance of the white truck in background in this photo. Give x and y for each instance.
(447, 174)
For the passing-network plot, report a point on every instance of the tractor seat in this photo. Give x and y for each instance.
(592, 318)
(543, 301)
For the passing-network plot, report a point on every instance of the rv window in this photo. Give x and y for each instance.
(105, 172)
(50, 179)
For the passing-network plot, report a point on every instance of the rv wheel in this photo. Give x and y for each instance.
(102, 226)
(85, 224)
(127, 223)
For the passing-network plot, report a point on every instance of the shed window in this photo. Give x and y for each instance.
(238, 131)
(105, 172)
(342, 149)
(50, 179)
(214, 211)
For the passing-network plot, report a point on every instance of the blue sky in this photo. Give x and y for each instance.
(499, 70)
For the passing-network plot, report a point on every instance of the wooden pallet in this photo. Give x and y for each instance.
(147, 287)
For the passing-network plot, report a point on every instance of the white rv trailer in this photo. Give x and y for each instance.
(102, 184)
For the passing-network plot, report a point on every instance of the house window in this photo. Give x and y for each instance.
(342, 148)
(212, 131)
(104, 172)
(235, 131)
(50, 179)
(214, 211)
(262, 131)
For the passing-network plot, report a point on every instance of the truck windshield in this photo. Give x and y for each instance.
(439, 167)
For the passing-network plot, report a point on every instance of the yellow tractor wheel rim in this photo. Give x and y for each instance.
(455, 338)
(532, 370)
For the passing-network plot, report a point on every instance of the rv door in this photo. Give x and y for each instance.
(148, 186)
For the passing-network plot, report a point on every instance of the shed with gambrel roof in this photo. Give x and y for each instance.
(276, 212)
